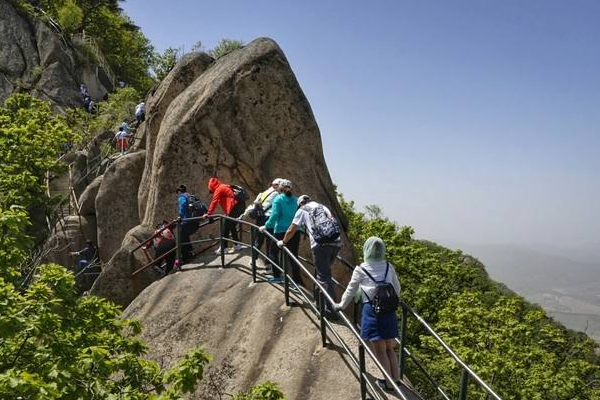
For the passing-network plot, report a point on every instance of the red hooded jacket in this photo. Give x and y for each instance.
(222, 195)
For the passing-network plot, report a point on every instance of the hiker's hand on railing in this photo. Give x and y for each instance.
(204, 216)
(337, 307)
(262, 229)
(280, 243)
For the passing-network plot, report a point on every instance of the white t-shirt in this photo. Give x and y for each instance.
(361, 280)
(302, 219)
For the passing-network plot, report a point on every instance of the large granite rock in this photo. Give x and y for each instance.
(116, 281)
(186, 71)
(246, 120)
(87, 201)
(116, 202)
(35, 58)
(246, 328)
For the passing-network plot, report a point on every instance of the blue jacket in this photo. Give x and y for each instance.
(183, 205)
(283, 209)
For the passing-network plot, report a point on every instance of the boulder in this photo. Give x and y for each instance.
(35, 58)
(250, 334)
(79, 174)
(87, 201)
(116, 202)
(69, 235)
(116, 281)
(190, 67)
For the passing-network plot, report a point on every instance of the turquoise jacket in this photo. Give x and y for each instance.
(283, 209)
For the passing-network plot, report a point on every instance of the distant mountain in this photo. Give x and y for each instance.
(567, 289)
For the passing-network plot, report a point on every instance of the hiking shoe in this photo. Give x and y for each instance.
(218, 251)
(383, 385)
(238, 247)
(276, 279)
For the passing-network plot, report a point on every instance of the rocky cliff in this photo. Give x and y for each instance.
(242, 118)
(38, 59)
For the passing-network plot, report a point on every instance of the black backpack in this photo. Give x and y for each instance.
(385, 299)
(325, 229)
(196, 207)
(239, 193)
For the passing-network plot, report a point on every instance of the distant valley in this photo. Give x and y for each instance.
(567, 287)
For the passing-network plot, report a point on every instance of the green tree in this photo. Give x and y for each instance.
(31, 139)
(510, 343)
(163, 63)
(70, 16)
(225, 46)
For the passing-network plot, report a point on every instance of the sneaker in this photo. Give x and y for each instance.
(276, 279)
(269, 269)
(238, 247)
(383, 385)
(218, 251)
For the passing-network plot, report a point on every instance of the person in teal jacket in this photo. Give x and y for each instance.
(283, 208)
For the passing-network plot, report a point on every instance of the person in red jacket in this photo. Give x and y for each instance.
(223, 196)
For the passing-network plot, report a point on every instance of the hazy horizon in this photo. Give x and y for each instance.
(471, 121)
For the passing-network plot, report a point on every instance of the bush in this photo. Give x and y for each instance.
(70, 16)
(225, 46)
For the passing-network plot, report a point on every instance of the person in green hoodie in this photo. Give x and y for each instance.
(283, 208)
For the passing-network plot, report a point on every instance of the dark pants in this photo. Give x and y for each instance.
(230, 227)
(292, 245)
(324, 257)
(163, 247)
(187, 229)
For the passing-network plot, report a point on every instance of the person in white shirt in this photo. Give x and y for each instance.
(382, 329)
(140, 112)
(324, 254)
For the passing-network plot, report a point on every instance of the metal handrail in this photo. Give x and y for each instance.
(319, 310)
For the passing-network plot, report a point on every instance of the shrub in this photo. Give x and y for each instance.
(225, 46)
(70, 16)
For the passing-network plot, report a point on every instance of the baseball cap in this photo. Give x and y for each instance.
(303, 199)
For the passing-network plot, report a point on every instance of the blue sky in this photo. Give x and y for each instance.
(474, 121)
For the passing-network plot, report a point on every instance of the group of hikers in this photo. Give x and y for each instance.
(123, 134)
(287, 218)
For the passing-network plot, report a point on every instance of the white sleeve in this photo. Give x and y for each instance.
(394, 279)
(298, 218)
(352, 288)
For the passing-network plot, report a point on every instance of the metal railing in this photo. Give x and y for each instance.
(87, 40)
(317, 304)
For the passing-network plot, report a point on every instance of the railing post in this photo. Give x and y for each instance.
(223, 242)
(322, 319)
(464, 381)
(362, 372)
(286, 281)
(254, 252)
(401, 355)
(178, 240)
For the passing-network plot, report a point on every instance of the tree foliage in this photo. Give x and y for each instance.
(163, 63)
(512, 345)
(70, 16)
(31, 139)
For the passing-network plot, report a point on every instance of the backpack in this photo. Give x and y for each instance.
(325, 229)
(196, 207)
(239, 193)
(385, 299)
(257, 211)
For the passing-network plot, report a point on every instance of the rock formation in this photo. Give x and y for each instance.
(36, 59)
(246, 328)
(244, 118)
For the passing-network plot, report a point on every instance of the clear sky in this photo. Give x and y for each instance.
(474, 121)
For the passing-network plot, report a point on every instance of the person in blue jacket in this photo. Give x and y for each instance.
(187, 227)
(284, 207)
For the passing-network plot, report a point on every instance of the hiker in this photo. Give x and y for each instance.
(121, 139)
(163, 242)
(83, 90)
(284, 208)
(140, 112)
(261, 210)
(378, 328)
(86, 103)
(324, 252)
(224, 196)
(126, 127)
(188, 228)
(87, 256)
